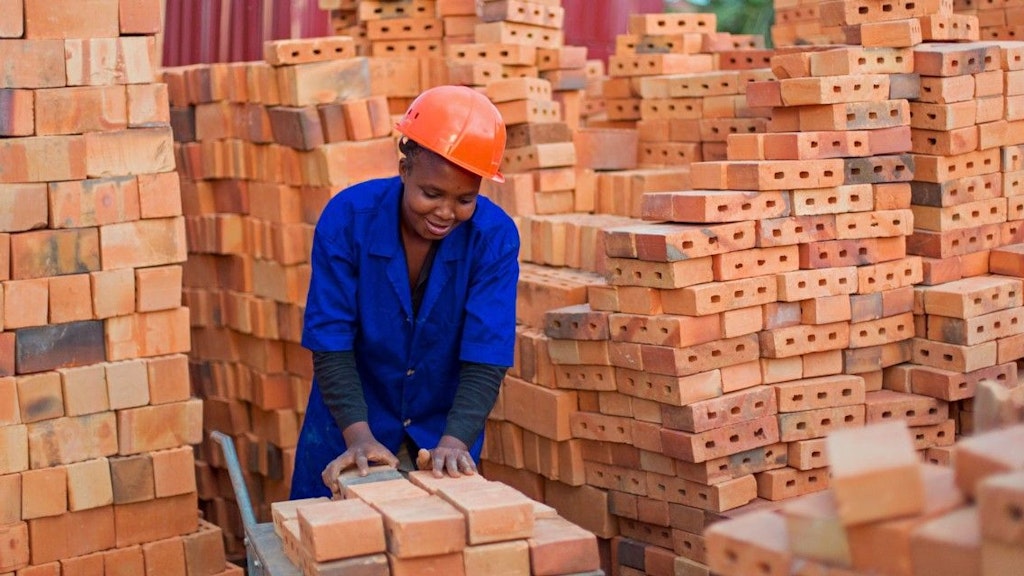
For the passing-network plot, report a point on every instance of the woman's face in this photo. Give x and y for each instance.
(438, 195)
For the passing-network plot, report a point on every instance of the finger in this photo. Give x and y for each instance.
(451, 464)
(466, 464)
(423, 459)
(363, 464)
(438, 466)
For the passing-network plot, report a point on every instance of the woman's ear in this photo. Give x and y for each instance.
(403, 167)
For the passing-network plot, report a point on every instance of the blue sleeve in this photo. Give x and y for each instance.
(490, 329)
(331, 313)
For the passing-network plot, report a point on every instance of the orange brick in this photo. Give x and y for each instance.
(113, 292)
(40, 396)
(806, 284)
(837, 253)
(282, 52)
(99, 20)
(427, 527)
(89, 485)
(97, 61)
(15, 456)
(952, 386)
(949, 543)
(985, 455)
(158, 288)
(859, 473)
(167, 472)
(156, 427)
(795, 230)
(834, 89)
(342, 529)
(560, 547)
(699, 358)
(134, 522)
(730, 440)
(512, 556)
(725, 410)
(973, 297)
(44, 492)
(127, 384)
(839, 199)
(15, 539)
(800, 339)
(77, 110)
(750, 543)
(124, 561)
(70, 298)
(713, 206)
(786, 483)
(494, 512)
(17, 113)
(323, 82)
(755, 262)
(143, 17)
(158, 195)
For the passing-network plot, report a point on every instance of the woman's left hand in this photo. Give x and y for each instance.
(451, 456)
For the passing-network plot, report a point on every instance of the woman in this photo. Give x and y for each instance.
(411, 307)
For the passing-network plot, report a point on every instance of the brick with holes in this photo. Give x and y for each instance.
(889, 276)
(724, 410)
(718, 442)
(820, 392)
(699, 358)
(879, 169)
(755, 262)
(801, 339)
(788, 482)
(951, 386)
(795, 230)
(882, 331)
(954, 357)
(834, 89)
(877, 224)
(914, 409)
(806, 284)
(854, 116)
(819, 422)
(669, 390)
(664, 329)
(718, 470)
(859, 252)
(970, 297)
(714, 206)
(577, 322)
(669, 242)
(976, 330)
(714, 297)
(806, 454)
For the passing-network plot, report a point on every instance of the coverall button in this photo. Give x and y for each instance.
(410, 372)
(407, 423)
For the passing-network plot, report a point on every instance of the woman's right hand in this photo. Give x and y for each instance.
(362, 448)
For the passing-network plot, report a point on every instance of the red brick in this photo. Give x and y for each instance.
(755, 262)
(786, 483)
(98, 20)
(494, 512)
(826, 309)
(427, 527)
(807, 284)
(77, 110)
(852, 252)
(70, 298)
(855, 116)
(714, 297)
(892, 195)
(89, 485)
(733, 408)
(801, 339)
(24, 207)
(124, 561)
(560, 547)
(795, 230)
(821, 392)
(985, 455)
(720, 442)
(54, 252)
(952, 386)
(838, 199)
(511, 557)
(938, 435)
(15, 455)
(15, 540)
(954, 357)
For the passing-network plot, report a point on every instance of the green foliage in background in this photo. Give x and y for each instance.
(736, 16)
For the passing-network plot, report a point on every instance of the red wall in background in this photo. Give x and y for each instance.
(596, 23)
(234, 30)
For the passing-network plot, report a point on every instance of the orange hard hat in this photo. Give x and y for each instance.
(461, 125)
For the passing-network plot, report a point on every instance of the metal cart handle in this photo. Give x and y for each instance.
(227, 444)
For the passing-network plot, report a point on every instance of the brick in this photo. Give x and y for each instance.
(113, 293)
(839, 199)
(40, 397)
(494, 512)
(879, 169)
(65, 159)
(952, 386)
(714, 206)
(134, 525)
(125, 561)
(70, 298)
(726, 410)
(700, 358)
(837, 253)
(795, 230)
(818, 422)
(560, 547)
(786, 483)
(668, 242)
(882, 331)
(664, 330)
(77, 110)
(756, 542)
(950, 543)
(32, 63)
(127, 384)
(820, 392)
(730, 440)
(503, 558)
(167, 477)
(807, 284)
(158, 288)
(44, 493)
(913, 409)
(157, 427)
(156, 197)
(428, 527)
(14, 439)
(834, 89)
(755, 262)
(103, 61)
(323, 82)
(17, 112)
(341, 529)
(954, 357)
(99, 20)
(801, 339)
(976, 330)
(717, 470)
(985, 455)
(997, 498)
(855, 116)
(89, 485)
(15, 539)
(973, 297)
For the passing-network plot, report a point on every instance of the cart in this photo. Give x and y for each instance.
(263, 548)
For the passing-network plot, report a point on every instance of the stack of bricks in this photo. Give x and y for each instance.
(388, 525)
(934, 520)
(798, 22)
(996, 20)
(262, 146)
(96, 414)
(344, 20)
